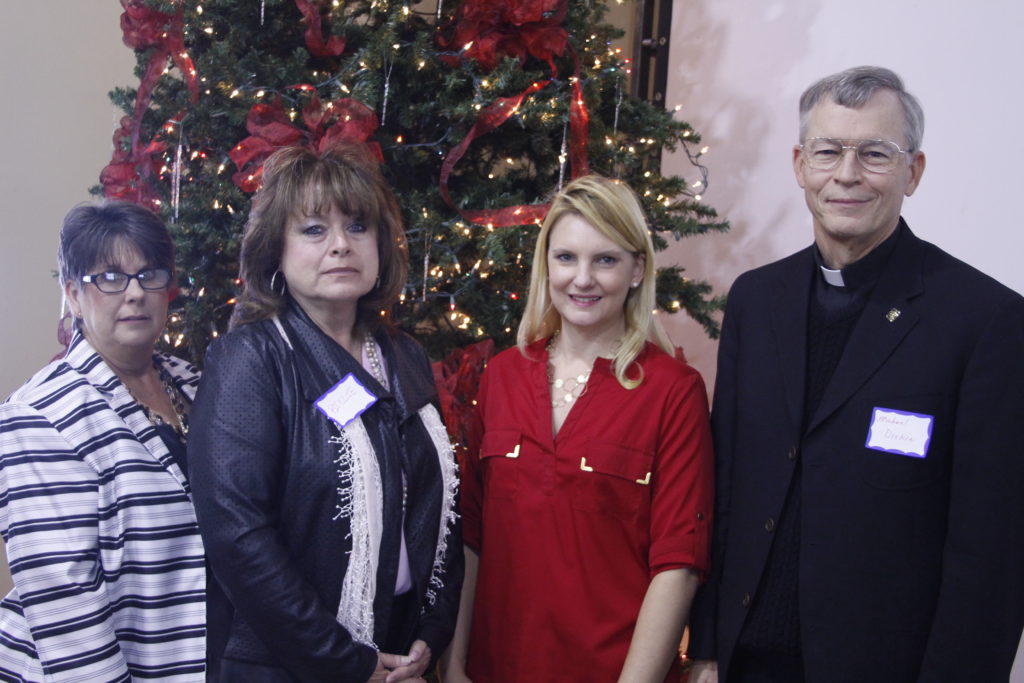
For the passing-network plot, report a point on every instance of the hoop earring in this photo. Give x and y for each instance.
(273, 283)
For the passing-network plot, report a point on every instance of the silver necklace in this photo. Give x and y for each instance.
(376, 367)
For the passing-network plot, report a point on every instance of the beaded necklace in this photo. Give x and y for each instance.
(571, 388)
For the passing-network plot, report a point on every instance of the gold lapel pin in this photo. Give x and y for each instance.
(892, 314)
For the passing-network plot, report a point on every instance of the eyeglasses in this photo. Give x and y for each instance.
(877, 156)
(114, 282)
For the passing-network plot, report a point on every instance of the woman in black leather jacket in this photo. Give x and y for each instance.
(324, 480)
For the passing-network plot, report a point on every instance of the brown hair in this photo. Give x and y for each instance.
(298, 180)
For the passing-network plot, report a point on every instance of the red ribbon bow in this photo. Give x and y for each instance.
(519, 28)
(494, 29)
(270, 128)
(128, 174)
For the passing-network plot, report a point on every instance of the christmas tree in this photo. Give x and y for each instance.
(479, 111)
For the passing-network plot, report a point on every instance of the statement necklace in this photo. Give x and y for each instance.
(180, 424)
(564, 391)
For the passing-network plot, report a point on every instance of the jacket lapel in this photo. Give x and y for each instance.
(86, 361)
(789, 326)
(887, 318)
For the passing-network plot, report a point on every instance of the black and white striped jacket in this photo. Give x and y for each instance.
(101, 537)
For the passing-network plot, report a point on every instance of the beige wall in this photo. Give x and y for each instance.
(59, 59)
(738, 68)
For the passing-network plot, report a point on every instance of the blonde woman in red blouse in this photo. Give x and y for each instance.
(587, 509)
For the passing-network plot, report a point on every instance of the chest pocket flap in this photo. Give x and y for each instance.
(618, 461)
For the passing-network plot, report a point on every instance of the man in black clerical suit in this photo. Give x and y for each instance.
(869, 432)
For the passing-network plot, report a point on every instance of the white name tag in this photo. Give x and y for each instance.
(345, 401)
(896, 431)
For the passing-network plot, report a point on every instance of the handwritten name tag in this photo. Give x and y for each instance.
(896, 431)
(345, 401)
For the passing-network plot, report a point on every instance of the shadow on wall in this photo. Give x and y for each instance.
(730, 77)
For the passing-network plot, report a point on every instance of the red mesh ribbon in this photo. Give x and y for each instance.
(457, 378)
(492, 117)
(129, 174)
(147, 28)
(494, 29)
(314, 32)
(133, 164)
(270, 128)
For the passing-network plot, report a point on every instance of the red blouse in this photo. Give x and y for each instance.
(571, 529)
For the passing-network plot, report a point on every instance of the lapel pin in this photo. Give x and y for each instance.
(892, 314)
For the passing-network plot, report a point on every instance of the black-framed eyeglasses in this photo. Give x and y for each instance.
(877, 156)
(115, 282)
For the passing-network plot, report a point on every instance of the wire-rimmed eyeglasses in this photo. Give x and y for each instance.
(877, 156)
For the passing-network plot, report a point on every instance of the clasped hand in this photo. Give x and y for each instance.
(410, 667)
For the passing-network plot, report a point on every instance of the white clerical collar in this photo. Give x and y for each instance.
(833, 277)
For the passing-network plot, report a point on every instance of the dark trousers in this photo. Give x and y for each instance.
(750, 667)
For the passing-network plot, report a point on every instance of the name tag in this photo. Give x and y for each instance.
(899, 432)
(345, 401)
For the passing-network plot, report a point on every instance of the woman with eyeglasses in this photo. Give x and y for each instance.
(95, 505)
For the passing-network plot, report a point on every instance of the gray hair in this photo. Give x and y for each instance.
(854, 87)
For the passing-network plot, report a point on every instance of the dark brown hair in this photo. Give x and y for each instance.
(93, 235)
(301, 181)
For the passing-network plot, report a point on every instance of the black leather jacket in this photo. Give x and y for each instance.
(265, 484)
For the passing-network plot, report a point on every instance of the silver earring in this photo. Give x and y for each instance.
(635, 285)
(273, 283)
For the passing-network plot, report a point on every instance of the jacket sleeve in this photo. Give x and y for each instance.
(237, 448)
(437, 624)
(980, 609)
(438, 621)
(49, 518)
(704, 614)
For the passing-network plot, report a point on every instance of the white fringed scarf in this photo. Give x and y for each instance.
(361, 502)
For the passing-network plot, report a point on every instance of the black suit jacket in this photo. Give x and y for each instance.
(911, 568)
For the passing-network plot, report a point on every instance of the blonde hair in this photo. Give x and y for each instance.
(612, 208)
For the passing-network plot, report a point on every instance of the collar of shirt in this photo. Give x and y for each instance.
(862, 273)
